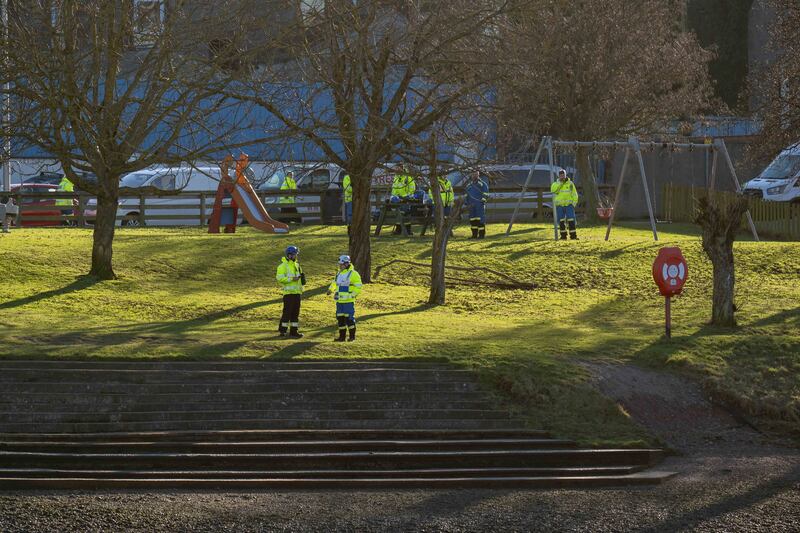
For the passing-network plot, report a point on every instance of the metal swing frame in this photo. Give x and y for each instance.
(632, 146)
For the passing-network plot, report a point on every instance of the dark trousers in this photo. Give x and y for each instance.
(291, 312)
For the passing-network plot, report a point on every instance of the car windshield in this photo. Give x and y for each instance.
(274, 181)
(135, 180)
(783, 167)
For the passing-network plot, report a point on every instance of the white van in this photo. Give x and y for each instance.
(780, 181)
(177, 210)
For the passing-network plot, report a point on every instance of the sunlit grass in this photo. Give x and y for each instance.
(182, 293)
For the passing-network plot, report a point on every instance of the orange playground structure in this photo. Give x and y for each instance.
(234, 194)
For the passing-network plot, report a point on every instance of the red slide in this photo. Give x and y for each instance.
(252, 208)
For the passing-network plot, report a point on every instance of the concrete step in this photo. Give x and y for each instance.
(226, 364)
(319, 474)
(255, 423)
(282, 387)
(183, 398)
(71, 483)
(279, 435)
(390, 460)
(276, 415)
(140, 375)
(21, 408)
(305, 446)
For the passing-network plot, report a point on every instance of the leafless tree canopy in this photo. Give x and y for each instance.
(778, 83)
(601, 68)
(367, 80)
(108, 87)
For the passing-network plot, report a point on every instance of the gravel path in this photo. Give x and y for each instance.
(731, 478)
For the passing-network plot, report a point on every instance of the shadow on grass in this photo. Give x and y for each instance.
(81, 283)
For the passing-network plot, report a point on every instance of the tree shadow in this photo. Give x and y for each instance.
(415, 309)
(789, 316)
(293, 349)
(750, 499)
(81, 283)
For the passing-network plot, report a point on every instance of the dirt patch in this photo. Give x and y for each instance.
(673, 409)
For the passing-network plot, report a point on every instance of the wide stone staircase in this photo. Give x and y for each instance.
(238, 424)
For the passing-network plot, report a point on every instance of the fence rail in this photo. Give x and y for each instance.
(776, 219)
(195, 208)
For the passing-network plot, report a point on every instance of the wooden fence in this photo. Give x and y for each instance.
(775, 219)
(195, 208)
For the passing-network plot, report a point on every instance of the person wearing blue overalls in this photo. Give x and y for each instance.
(345, 288)
(477, 195)
(565, 197)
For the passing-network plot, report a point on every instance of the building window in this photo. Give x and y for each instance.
(148, 20)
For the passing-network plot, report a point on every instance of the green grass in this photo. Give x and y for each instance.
(182, 293)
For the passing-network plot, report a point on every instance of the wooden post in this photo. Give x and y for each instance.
(618, 192)
(637, 148)
(720, 143)
(202, 209)
(141, 209)
(525, 186)
(540, 204)
(668, 317)
(81, 207)
(551, 161)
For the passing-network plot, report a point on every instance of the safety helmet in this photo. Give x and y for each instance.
(344, 259)
(394, 199)
(292, 250)
(418, 194)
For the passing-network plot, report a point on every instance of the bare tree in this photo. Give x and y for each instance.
(111, 87)
(720, 224)
(369, 77)
(600, 69)
(777, 83)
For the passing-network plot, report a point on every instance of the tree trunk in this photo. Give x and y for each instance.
(720, 226)
(104, 226)
(360, 245)
(587, 184)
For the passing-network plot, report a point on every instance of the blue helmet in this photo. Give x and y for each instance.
(419, 194)
(292, 250)
(394, 199)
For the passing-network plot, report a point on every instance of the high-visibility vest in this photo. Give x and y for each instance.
(288, 185)
(346, 286)
(445, 191)
(403, 185)
(564, 193)
(65, 186)
(347, 188)
(288, 276)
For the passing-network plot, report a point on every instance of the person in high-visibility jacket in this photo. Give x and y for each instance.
(565, 197)
(477, 191)
(345, 288)
(65, 186)
(291, 279)
(287, 202)
(347, 189)
(445, 192)
(403, 187)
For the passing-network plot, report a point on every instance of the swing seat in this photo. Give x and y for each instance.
(605, 212)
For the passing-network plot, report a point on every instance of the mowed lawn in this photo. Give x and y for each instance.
(182, 293)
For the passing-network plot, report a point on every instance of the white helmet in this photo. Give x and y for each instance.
(344, 259)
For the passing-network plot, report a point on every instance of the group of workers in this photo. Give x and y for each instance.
(344, 287)
(406, 193)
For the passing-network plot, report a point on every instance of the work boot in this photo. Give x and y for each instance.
(342, 335)
(352, 334)
(482, 234)
(282, 330)
(293, 333)
(573, 236)
(474, 233)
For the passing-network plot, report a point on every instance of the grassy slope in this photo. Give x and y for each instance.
(184, 293)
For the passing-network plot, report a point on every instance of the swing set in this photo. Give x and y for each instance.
(607, 210)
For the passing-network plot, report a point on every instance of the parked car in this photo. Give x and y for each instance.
(181, 210)
(31, 209)
(315, 181)
(780, 181)
(44, 178)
